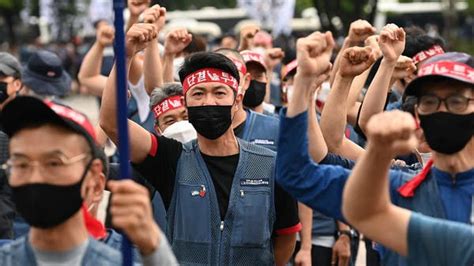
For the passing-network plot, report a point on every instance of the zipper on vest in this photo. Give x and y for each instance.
(221, 227)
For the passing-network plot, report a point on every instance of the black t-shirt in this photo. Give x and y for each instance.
(159, 168)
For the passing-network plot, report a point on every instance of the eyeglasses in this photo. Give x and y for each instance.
(53, 166)
(455, 104)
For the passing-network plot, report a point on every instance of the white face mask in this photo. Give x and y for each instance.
(289, 92)
(181, 131)
(425, 157)
(324, 92)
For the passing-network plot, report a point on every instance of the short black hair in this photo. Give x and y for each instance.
(105, 162)
(200, 60)
(418, 40)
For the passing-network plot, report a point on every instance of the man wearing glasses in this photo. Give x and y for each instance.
(444, 110)
(54, 171)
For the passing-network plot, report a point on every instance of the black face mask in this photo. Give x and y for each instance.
(447, 133)
(3, 92)
(255, 94)
(45, 205)
(210, 121)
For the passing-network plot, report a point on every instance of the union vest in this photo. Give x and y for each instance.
(261, 130)
(195, 230)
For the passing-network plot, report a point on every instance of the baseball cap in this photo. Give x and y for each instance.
(24, 111)
(289, 68)
(453, 65)
(45, 75)
(9, 65)
(254, 57)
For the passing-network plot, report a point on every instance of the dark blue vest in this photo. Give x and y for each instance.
(195, 230)
(261, 130)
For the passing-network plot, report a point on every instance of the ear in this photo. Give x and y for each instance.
(94, 183)
(245, 83)
(17, 85)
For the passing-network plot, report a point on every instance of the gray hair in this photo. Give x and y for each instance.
(165, 91)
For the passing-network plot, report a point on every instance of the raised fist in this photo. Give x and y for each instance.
(373, 42)
(136, 7)
(392, 42)
(356, 60)
(176, 40)
(393, 132)
(359, 31)
(247, 34)
(139, 36)
(273, 57)
(105, 34)
(404, 68)
(314, 53)
(155, 15)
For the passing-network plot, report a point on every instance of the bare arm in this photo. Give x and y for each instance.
(176, 41)
(366, 200)
(140, 141)
(354, 61)
(392, 44)
(303, 257)
(153, 70)
(89, 73)
(284, 246)
(317, 145)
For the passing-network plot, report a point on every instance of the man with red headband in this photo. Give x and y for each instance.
(219, 191)
(171, 116)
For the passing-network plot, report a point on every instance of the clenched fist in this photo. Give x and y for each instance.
(356, 60)
(105, 34)
(359, 31)
(247, 34)
(139, 36)
(392, 42)
(273, 57)
(155, 15)
(136, 7)
(404, 68)
(177, 40)
(393, 132)
(313, 54)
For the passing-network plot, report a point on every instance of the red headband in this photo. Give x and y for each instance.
(209, 75)
(240, 66)
(250, 56)
(451, 69)
(423, 55)
(168, 104)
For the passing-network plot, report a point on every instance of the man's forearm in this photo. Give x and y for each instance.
(367, 194)
(268, 87)
(346, 44)
(306, 218)
(334, 116)
(89, 73)
(284, 246)
(317, 145)
(152, 67)
(376, 96)
(168, 68)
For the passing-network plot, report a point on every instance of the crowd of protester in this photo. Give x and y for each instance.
(242, 153)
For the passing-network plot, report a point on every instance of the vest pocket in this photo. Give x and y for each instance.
(251, 221)
(192, 214)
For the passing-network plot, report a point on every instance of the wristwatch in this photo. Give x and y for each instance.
(348, 233)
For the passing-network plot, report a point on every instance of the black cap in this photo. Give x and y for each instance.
(45, 75)
(25, 111)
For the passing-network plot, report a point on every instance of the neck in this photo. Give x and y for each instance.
(63, 237)
(239, 117)
(225, 145)
(455, 163)
(258, 109)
